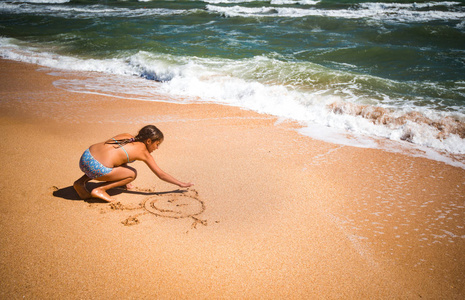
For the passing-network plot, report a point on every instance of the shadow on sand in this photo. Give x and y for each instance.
(69, 193)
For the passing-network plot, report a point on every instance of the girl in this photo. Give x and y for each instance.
(107, 161)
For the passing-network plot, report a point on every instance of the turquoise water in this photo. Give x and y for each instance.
(323, 63)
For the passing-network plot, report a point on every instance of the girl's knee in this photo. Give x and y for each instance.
(133, 172)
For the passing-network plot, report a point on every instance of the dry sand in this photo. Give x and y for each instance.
(273, 214)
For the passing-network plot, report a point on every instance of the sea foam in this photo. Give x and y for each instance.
(86, 12)
(42, 1)
(400, 12)
(376, 11)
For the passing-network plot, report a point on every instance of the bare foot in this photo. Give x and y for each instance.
(98, 193)
(81, 190)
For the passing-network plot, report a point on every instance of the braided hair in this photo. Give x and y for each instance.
(147, 132)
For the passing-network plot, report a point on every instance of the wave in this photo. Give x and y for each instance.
(376, 11)
(443, 127)
(272, 2)
(414, 5)
(290, 2)
(229, 1)
(263, 84)
(42, 1)
(403, 12)
(89, 11)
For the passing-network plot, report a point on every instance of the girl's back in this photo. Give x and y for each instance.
(113, 155)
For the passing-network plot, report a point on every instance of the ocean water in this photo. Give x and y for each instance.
(389, 70)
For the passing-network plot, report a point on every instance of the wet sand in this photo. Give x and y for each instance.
(273, 214)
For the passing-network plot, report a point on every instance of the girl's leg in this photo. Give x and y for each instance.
(80, 187)
(117, 177)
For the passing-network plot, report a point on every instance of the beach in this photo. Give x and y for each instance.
(275, 214)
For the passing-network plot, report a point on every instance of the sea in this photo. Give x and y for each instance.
(351, 72)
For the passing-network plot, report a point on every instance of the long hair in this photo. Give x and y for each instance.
(147, 132)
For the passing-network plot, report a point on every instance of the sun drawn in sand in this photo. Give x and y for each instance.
(176, 204)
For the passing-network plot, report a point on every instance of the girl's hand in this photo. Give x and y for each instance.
(186, 185)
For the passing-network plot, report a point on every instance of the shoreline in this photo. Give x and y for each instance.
(285, 215)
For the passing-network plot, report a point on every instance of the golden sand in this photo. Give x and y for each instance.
(281, 215)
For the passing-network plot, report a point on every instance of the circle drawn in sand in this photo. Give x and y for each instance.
(174, 205)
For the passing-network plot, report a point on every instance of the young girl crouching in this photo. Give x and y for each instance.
(107, 161)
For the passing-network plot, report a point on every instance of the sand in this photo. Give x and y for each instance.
(272, 215)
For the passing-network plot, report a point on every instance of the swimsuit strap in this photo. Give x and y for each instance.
(122, 148)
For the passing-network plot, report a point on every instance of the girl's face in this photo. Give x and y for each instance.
(153, 145)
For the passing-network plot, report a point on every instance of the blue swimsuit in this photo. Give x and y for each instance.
(92, 167)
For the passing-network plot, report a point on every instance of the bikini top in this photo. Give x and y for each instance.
(122, 147)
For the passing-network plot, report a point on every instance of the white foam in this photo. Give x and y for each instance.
(42, 1)
(272, 2)
(415, 5)
(288, 2)
(228, 1)
(403, 12)
(375, 11)
(338, 136)
(29, 55)
(89, 11)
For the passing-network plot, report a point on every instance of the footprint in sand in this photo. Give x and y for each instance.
(131, 220)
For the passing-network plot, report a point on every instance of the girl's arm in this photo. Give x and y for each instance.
(148, 159)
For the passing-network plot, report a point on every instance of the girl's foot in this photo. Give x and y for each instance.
(80, 188)
(98, 193)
